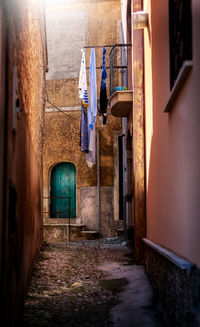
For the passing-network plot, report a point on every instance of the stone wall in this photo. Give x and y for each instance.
(89, 214)
(62, 144)
(177, 283)
(90, 23)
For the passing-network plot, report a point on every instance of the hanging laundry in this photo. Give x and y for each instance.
(103, 91)
(84, 105)
(91, 155)
(83, 81)
(92, 112)
(84, 130)
(93, 91)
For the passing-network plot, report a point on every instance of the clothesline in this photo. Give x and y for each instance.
(108, 67)
(100, 67)
(53, 105)
(107, 46)
(99, 46)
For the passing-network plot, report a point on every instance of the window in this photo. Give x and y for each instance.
(180, 24)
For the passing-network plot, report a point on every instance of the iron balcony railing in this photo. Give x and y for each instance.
(118, 67)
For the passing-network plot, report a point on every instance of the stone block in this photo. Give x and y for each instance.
(177, 287)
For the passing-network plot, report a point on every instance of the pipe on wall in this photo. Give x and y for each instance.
(98, 184)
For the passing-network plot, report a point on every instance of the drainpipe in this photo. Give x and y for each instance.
(98, 183)
(124, 130)
(124, 178)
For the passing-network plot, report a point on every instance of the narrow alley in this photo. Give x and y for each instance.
(90, 284)
(99, 163)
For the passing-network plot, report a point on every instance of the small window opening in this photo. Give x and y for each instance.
(180, 30)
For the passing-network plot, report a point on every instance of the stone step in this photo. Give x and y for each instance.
(62, 232)
(67, 224)
(120, 232)
(90, 234)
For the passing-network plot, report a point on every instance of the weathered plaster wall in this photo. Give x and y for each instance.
(62, 144)
(138, 121)
(22, 235)
(63, 92)
(61, 20)
(99, 23)
(89, 210)
(92, 23)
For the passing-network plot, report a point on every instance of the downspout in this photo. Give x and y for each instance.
(98, 184)
(124, 132)
(124, 180)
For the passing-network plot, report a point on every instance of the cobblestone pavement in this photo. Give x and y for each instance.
(69, 288)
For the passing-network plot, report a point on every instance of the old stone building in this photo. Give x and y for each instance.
(22, 70)
(71, 26)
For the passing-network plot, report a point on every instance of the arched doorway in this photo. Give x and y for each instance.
(63, 191)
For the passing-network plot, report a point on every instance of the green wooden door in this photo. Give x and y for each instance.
(63, 191)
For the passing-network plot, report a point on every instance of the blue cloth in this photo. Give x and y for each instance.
(103, 91)
(84, 130)
(85, 99)
(90, 157)
(104, 72)
(93, 91)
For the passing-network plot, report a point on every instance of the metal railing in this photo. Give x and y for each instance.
(118, 67)
(53, 212)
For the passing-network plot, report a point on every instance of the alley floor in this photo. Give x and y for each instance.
(91, 283)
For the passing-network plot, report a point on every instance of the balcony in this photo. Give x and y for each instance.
(120, 101)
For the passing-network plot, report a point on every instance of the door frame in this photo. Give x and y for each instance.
(49, 189)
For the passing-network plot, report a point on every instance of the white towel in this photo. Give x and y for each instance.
(83, 81)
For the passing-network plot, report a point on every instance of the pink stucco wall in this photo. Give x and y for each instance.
(172, 142)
